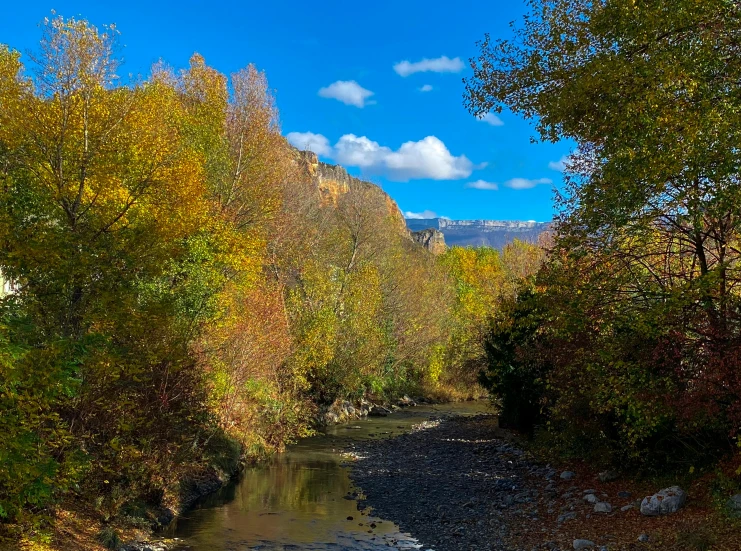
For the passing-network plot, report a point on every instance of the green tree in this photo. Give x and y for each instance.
(646, 260)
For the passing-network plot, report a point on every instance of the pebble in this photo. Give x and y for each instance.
(602, 507)
(734, 505)
(608, 476)
(567, 475)
(583, 544)
(643, 538)
(571, 515)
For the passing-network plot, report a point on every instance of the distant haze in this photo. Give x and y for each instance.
(477, 233)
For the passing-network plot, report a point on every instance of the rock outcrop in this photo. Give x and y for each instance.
(333, 181)
(431, 239)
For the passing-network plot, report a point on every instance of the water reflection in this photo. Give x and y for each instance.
(303, 499)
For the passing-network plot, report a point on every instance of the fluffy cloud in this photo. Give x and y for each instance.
(559, 165)
(309, 141)
(492, 119)
(424, 215)
(426, 88)
(348, 92)
(524, 183)
(427, 158)
(481, 184)
(438, 65)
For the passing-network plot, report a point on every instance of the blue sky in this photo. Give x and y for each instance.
(375, 87)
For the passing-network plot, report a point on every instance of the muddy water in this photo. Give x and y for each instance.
(303, 499)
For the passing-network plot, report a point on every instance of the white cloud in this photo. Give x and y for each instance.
(425, 214)
(308, 141)
(426, 88)
(524, 183)
(481, 184)
(438, 65)
(492, 119)
(426, 158)
(559, 165)
(348, 92)
(359, 151)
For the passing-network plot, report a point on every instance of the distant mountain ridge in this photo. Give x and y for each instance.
(477, 233)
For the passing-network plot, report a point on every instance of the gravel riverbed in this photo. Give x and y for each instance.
(454, 484)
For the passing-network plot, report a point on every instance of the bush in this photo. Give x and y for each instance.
(516, 374)
(109, 538)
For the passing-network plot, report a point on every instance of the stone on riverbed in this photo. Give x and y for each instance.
(378, 411)
(570, 515)
(667, 501)
(602, 507)
(734, 505)
(567, 475)
(583, 544)
(406, 401)
(608, 476)
(144, 546)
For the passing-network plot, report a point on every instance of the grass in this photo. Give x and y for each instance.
(108, 537)
(699, 540)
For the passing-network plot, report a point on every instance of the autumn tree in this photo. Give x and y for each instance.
(648, 230)
(132, 219)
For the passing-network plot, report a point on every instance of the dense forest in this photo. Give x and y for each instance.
(187, 291)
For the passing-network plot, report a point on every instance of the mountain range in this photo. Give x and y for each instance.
(477, 233)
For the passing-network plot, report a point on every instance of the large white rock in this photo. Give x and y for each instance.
(667, 501)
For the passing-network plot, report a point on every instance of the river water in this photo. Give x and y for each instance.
(303, 498)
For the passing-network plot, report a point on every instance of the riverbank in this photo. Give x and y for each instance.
(77, 524)
(454, 484)
(463, 484)
(303, 498)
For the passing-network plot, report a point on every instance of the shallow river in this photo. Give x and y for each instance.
(302, 498)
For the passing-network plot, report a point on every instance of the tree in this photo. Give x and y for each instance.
(649, 221)
(645, 90)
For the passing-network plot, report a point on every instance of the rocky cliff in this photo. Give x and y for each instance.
(333, 182)
(431, 239)
(476, 233)
(434, 234)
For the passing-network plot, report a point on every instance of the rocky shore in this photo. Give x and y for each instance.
(454, 483)
(461, 483)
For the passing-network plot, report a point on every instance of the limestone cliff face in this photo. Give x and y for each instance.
(333, 182)
(431, 239)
